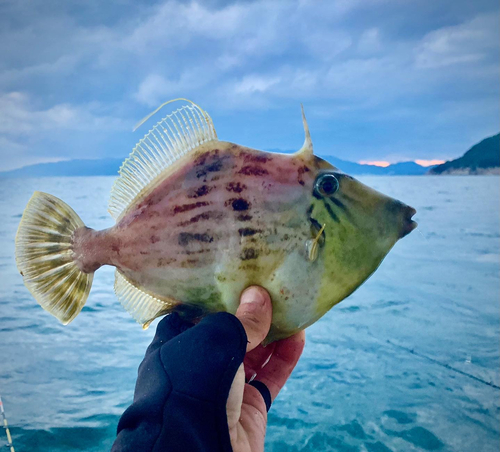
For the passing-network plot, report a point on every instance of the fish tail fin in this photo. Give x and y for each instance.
(44, 257)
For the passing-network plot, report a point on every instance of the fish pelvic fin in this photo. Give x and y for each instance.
(175, 136)
(307, 148)
(143, 307)
(44, 257)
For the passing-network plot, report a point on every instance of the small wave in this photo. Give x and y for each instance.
(350, 309)
(493, 235)
(354, 429)
(389, 304)
(400, 416)
(90, 439)
(289, 423)
(377, 447)
(419, 437)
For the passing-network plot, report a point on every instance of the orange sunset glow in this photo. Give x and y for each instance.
(381, 163)
(429, 162)
(384, 163)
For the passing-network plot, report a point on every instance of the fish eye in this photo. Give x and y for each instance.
(326, 185)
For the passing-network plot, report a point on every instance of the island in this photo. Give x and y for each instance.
(482, 158)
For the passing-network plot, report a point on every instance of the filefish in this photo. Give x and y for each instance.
(198, 220)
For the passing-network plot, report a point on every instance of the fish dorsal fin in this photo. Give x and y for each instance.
(173, 137)
(307, 147)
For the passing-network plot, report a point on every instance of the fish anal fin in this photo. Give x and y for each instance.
(143, 307)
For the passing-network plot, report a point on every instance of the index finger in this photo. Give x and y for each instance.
(282, 362)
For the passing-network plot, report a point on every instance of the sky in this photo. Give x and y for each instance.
(380, 80)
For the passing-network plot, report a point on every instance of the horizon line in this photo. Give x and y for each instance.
(380, 163)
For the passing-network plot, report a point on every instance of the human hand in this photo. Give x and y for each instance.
(271, 365)
(191, 391)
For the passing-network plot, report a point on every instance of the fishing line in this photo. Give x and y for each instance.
(446, 366)
(6, 427)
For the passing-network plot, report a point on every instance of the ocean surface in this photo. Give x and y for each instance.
(409, 362)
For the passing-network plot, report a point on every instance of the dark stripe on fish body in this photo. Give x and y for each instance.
(186, 207)
(300, 173)
(348, 198)
(235, 187)
(186, 237)
(210, 168)
(245, 232)
(330, 211)
(338, 203)
(200, 160)
(248, 254)
(316, 224)
(210, 215)
(255, 158)
(188, 263)
(162, 261)
(344, 208)
(200, 191)
(188, 253)
(244, 217)
(253, 171)
(238, 204)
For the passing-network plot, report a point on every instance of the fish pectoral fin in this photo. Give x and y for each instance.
(143, 307)
(312, 245)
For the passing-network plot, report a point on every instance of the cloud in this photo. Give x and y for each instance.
(18, 115)
(370, 42)
(255, 84)
(469, 42)
(29, 134)
(379, 78)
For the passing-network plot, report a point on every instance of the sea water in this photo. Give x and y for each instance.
(409, 362)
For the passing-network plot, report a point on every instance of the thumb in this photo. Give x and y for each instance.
(255, 313)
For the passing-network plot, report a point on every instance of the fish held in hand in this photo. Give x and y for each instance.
(198, 220)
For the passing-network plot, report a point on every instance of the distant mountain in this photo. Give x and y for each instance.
(396, 169)
(110, 166)
(482, 158)
(87, 167)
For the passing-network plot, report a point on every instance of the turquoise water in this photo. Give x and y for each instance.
(409, 362)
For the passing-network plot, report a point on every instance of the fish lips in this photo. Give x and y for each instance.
(408, 224)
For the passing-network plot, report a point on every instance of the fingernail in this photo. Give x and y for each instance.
(252, 295)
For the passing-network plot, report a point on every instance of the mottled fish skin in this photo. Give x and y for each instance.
(229, 216)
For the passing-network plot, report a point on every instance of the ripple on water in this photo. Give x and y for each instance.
(400, 416)
(90, 439)
(419, 437)
(377, 447)
(329, 443)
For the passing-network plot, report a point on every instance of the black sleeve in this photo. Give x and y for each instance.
(182, 387)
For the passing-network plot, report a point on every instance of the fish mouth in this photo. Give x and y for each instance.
(408, 224)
